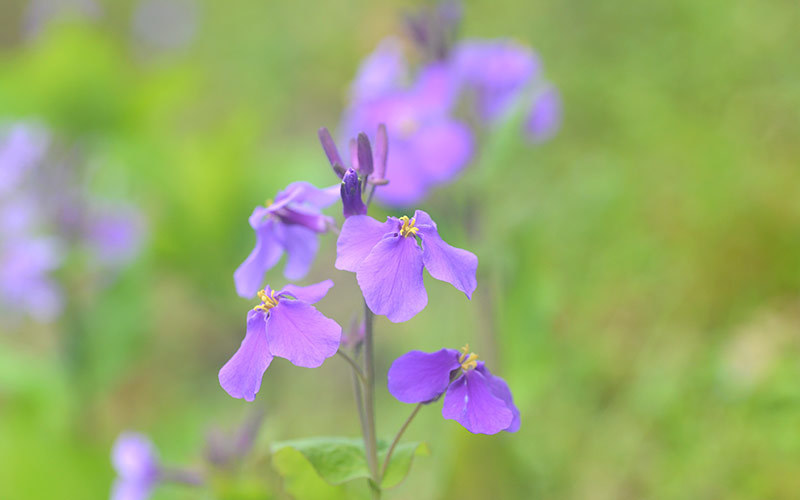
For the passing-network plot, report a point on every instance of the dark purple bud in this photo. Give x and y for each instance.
(365, 166)
(351, 195)
(331, 152)
(381, 151)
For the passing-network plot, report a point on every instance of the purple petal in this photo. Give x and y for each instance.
(444, 262)
(301, 246)
(298, 332)
(303, 192)
(241, 375)
(391, 279)
(250, 274)
(127, 489)
(500, 389)
(381, 72)
(418, 376)
(134, 456)
(442, 150)
(360, 233)
(408, 183)
(544, 118)
(470, 402)
(311, 293)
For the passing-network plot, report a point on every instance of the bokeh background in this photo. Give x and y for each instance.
(639, 282)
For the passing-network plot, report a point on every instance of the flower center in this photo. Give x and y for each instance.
(407, 127)
(408, 227)
(468, 360)
(267, 301)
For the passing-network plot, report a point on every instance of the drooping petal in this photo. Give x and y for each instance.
(381, 151)
(305, 215)
(358, 235)
(470, 402)
(418, 376)
(241, 375)
(500, 389)
(364, 153)
(298, 332)
(446, 263)
(311, 293)
(329, 146)
(391, 279)
(301, 246)
(250, 274)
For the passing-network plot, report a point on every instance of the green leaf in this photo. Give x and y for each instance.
(338, 460)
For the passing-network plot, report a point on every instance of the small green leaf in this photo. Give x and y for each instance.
(338, 460)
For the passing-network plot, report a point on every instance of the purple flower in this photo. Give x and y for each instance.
(496, 71)
(428, 146)
(473, 397)
(138, 471)
(114, 233)
(25, 282)
(383, 71)
(20, 149)
(286, 325)
(544, 117)
(289, 224)
(388, 262)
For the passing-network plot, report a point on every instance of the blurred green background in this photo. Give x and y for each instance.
(639, 285)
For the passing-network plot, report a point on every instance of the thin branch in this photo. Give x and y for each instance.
(353, 365)
(397, 440)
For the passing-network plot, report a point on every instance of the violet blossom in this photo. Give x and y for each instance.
(544, 117)
(284, 324)
(473, 397)
(429, 147)
(288, 224)
(388, 262)
(138, 470)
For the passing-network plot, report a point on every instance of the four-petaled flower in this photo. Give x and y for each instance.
(138, 471)
(291, 224)
(286, 325)
(473, 397)
(388, 262)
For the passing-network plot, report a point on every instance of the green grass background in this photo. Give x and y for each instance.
(639, 280)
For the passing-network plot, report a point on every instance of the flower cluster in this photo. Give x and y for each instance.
(431, 144)
(44, 213)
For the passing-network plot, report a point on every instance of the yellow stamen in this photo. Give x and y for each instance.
(464, 353)
(268, 203)
(408, 226)
(268, 301)
(471, 362)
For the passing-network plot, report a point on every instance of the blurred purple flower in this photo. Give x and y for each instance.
(289, 224)
(114, 234)
(21, 147)
(544, 117)
(496, 71)
(138, 471)
(475, 398)
(385, 70)
(428, 146)
(25, 282)
(286, 325)
(388, 262)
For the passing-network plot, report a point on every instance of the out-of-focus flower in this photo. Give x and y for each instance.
(388, 262)
(286, 325)
(25, 282)
(165, 24)
(138, 471)
(288, 224)
(114, 234)
(429, 147)
(22, 147)
(473, 397)
(544, 117)
(496, 71)
(385, 70)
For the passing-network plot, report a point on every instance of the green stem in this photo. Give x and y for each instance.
(397, 440)
(370, 440)
(353, 365)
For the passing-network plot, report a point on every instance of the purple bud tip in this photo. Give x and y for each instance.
(330, 150)
(351, 195)
(364, 155)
